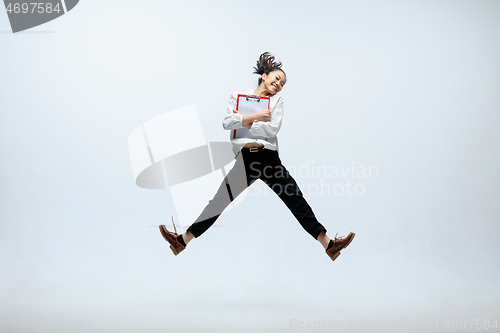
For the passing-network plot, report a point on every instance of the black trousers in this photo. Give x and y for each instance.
(252, 164)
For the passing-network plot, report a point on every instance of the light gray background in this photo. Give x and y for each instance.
(411, 87)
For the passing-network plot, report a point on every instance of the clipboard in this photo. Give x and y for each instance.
(248, 104)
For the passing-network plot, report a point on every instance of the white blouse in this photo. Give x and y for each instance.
(267, 129)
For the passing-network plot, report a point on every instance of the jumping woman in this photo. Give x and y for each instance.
(257, 158)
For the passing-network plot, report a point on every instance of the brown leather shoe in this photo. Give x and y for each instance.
(171, 237)
(339, 243)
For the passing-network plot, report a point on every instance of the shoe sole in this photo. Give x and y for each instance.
(174, 250)
(335, 256)
(172, 247)
(338, 252)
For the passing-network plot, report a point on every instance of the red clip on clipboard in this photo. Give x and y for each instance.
(248, 104)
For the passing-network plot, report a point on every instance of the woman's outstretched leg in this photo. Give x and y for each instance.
(236, 181)
(282, 183)
(287, 189)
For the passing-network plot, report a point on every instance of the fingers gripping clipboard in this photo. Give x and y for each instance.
(248, 104)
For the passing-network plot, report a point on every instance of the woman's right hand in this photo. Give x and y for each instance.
(264, 115)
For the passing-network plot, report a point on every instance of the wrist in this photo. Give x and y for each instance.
(248, 119)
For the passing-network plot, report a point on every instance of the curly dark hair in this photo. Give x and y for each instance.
(267, 64)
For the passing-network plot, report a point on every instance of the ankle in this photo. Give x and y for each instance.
(181, 240)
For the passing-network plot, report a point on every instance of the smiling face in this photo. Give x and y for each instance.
(274, 81)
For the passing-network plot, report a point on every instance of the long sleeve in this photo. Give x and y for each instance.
(232, 120)
(270, 128)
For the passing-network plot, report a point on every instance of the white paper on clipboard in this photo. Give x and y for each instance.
(248, 104)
